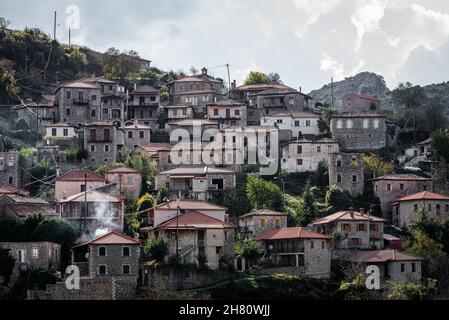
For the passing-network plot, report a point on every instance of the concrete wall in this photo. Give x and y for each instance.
(252, 225)
(407, 211)
(65, 189)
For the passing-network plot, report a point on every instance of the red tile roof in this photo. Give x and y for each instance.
(346, 216)
(25, 210)
(10, 189)
(379, 256)
(425, 195)
(192, 205)
(123, 170)
(79, 175)
(111, 238)
(264, 212)
(402, 177)
(195, 220)
(364, 97)
(290, 233)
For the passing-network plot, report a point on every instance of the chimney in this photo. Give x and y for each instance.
(93, 75)
(362, 211)
(351, 212)
(135, 86)
(136, 236)
(300, 89)
(204, 71)
(234, 85)
(274, 82)
(64, 195)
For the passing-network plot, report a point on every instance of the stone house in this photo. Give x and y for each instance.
(405, 208)
(346, 170)
(78, 102)
(196, 91)
(128, 181)
(193, 127)
(394, 265)
(93, 211)
(38, 114)
(260, 221)
(195, 183)
(359, 132)
(74, 182)
(9, 168)
(143, 106)
(110, 255)
(199, 235)
(9, 189)
(57, 132)
(306, 155)
(298, 252)
(159, 154)
(101, 142)
(227, 113)
(168, 210)
(353, 230)
(298, 124)
(393, 186)
(19, 208)
(33, 255)
(136, 135)
(361, 103)
(178, 113)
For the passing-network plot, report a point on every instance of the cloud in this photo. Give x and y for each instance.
(366, 18)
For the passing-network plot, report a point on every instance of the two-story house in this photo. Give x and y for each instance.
(100, 140)
(359, 132)
(75, 181)
(298, 124)
(195, 183)
(393, 186)
(178, 113)
(128, 181)
(346, 170)
(306, 155)
(136, 135)
(227, 113)
(9, 168)
(59, 132)
(361, 103)
(18, 207)
(404, 209)
(353, 230)
(260, 221)
(143, 106)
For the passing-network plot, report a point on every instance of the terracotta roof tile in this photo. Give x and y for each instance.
(264, 212)
(425, 195)
(405, 177)
(195, 220)
(346, 216)
(382, 256)
(25, 210)
(191, 205)
(290, 233)
(79, 175)
(111, 238)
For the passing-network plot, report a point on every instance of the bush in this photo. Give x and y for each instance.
(250, 250)
(156, 249)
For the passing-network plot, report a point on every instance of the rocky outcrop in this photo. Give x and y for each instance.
(366, 83)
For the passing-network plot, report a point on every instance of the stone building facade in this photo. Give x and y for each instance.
(143, 106)
(361, 103)
(74, 182)
(359, 132)
(136, 135)
(260, 221)
(393, 186)
(227, 113)
(346, 170)
(128, 181)
(9, 168)
(100, 141)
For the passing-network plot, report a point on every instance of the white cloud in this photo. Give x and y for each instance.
(366, 18)
(331, 65)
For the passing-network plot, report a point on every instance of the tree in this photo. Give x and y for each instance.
(308, 211)
(256, 77)
(250, 250)
(375, 167)
(412, 97)
(275, 77)
(193, 70)
(8, 85)
(263, 194)
(7, 263)
(120, 65)
(236, 200)
(336, 199)
(156, 249)
(411, 291)
(434, 117)
(354, 290)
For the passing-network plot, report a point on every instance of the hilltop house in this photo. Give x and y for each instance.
(38, 114)
(74, 182)
(353, 230)
(346, 170)
(298, 252)
(306, 155)
(360, 103)
(195, 183)
(404, 209)
(423, 148)
(93, 211)
(393, 186)
(359, 132)
(260, 221)
(199, 235)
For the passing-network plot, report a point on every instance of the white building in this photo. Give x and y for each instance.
(299, 123)
(59, 131)
(306, 155)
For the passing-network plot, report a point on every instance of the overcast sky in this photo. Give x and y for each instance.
(305, 41)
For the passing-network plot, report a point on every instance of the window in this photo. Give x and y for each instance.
(106, 111)
(107, 134)
(300, 162)
(339, 178)
(424, 187)
(339, 124)
(69, 95)
(446, 208)
(126, 269)
(94, 98)
(54, 132)
(365, 123)
(278, 223)
(35, 253)
(299, 149)
(297, 123)
(401, 187)
(376, 124)
(215, 112)
(102, 269)
(66, 132)
(308, 123)
(318, 149)
(93, 135)
(416, 207)
(106, 148)
(21, 256)
(80, 96)
(355, 242)
(402, 267)
(263, 222)
(93, 113)
(323, 245)
(130, 135)
(141, 135)
(102, 251)
(374, 227)
(429, 208)
(279, 121)
(354, 178)
(92, 148)
(11, 180)
(354, 161)
(67, 112)
(116, 114)
(413, 267)
(237, 112)
(312, 244)
(388, 187)
(349, 124)
(346, 227)
(361, 227)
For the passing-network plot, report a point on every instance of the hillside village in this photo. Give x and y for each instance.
(95, 172)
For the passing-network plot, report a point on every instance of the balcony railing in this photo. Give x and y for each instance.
(81, 102)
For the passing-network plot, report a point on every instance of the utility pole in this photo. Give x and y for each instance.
(178, 208)
(332, 98)
(85, 202)
(229, 79)
(54, 26)
(70, 37)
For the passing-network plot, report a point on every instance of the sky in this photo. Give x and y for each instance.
(306, 41)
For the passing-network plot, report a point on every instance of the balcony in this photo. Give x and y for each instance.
(80, 102)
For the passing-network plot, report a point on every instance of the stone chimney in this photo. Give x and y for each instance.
(233, 85)
(93, 75)
(204, 71)
(351, 212)
(362, 211)
(136, 236)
